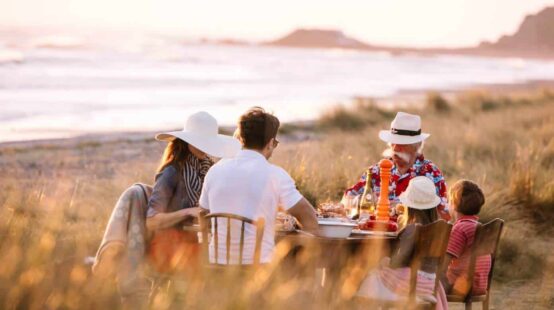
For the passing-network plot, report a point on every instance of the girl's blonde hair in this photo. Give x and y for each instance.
(416, 216)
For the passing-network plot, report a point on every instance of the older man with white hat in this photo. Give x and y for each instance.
(405, 141)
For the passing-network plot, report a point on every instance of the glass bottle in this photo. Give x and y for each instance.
(365, 204)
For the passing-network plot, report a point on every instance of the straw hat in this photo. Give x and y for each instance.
(201, 131)
(404, 129)
(421, 194)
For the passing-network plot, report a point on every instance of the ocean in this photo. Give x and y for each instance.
(50, 91)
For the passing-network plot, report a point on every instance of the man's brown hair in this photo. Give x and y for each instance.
(468, 197)
(257, 128)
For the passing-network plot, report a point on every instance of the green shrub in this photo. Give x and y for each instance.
(341, 118)
(364, 112)
(436, 102)
(483, 102)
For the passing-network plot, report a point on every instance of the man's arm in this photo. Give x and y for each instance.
(305, 213)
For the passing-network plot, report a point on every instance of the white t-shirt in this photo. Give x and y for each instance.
(247, 185)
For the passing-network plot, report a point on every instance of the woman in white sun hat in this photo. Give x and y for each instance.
(391, 280)
(146, 218)
(175, 194)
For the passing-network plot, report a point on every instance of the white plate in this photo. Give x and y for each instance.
(332, 219)
(336, 223)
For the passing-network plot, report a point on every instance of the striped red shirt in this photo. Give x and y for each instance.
(459, 246)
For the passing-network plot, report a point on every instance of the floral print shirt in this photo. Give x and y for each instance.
(399, 183)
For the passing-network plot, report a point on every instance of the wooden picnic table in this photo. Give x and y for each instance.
(337, 257)
(377, 244)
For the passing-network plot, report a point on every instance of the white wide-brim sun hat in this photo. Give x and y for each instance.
(202, 132)
(404, 129)
(421, 194)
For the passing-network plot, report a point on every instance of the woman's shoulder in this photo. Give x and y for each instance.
(168, 172)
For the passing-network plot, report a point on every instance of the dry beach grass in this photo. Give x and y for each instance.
(55, 198)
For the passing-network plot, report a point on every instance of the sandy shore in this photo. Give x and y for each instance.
(404, 98)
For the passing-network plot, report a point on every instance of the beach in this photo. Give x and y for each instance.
(58, 194)
(459, 93)
(145, 84)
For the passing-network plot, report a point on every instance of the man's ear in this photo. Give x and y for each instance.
(270, 143)
(267, 147)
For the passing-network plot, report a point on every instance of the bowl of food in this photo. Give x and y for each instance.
(331, 210)
(335, 229)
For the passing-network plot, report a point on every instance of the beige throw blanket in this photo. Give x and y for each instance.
(122, 251)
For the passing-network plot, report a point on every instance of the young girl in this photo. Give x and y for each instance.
(391, 280)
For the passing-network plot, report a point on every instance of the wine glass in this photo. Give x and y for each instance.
(350, 203)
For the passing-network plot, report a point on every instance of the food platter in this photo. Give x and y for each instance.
(335, 223)
(285, 222)
(368, 226)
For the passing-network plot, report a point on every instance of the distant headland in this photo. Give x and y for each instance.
(534, 39)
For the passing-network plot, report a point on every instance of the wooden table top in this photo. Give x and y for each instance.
(299, 237)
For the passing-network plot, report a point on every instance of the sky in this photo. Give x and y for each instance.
(418, 23)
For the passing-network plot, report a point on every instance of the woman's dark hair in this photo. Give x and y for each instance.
(467, 196)
(257, 128)
(423, 217)
(175, 154)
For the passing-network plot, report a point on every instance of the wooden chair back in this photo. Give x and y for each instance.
(486, 241)
(210, 223)
(430, 243)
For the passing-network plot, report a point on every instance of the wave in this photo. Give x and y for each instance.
(516, 63)
(58, 42)
(11, 56)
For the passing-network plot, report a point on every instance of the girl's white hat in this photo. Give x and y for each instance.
(404, 129)
(201, 131)
(421, 194)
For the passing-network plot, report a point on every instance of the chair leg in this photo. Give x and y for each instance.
(486, 303)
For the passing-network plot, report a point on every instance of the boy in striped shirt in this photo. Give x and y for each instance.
(466, 200)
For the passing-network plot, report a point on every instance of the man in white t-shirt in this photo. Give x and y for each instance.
(248, 185)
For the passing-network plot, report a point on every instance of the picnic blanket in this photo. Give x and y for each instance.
(390, 284)
(122, 251)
